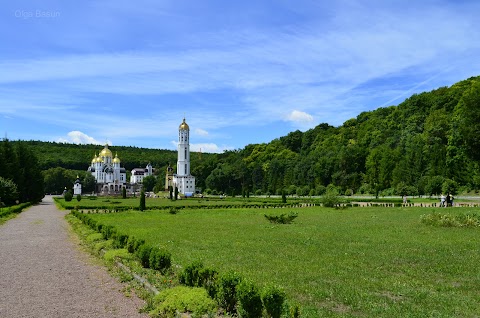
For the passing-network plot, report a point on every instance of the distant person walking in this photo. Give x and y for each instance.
(449, 200)
(442, 201)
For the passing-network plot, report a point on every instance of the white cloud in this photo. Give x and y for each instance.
(299, 117)
(201, 132)
(78, 137)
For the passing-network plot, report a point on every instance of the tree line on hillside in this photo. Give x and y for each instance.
(21, 179)
(428, 144)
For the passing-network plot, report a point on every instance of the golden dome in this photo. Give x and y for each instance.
(106, 152)
(94, 158)
(116, 159)
(184, 126)
(99, 159)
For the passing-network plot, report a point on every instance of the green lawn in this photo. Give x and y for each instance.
(358, 262)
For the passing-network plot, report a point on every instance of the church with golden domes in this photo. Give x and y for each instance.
(109, 176)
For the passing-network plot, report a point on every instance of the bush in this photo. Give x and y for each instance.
(107, 231)
(365, 189)
(191, 273)
(160, 259)
(250, 302)
(282, 218)
(68, 196)
(133, 244)
(79, 197)
(320, 189)
(180, 299)
(196, 275)
(330, 199)
(143, 254)
(273, 299)
(227, 291)
(120, 240)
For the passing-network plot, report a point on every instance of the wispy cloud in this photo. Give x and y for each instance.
(324, 65)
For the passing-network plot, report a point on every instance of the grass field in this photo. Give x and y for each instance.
(358, 262)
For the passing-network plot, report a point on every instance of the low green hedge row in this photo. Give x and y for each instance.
(14, 209)
(101, 208)
(236, 295)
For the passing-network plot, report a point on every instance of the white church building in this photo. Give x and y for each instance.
(183, 180)
(109, 177)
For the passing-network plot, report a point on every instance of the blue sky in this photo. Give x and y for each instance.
(241, 72)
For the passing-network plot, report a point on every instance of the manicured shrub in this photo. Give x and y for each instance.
(68, 196)
(196, 275)
(208, 280)
(107, 231)
(143, 254)
(142, 206)
(174, 301)
(227, 291)
(273, 299)
(249, 300)
(160, 259)
(79, 197)
(331, 198)
(120, 240)
(191, 273)
(282, 218)
(132, 244)
(124, 193)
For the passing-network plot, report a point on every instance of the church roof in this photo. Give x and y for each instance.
(184, 126)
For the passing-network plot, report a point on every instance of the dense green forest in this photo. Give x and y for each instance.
(21, 179)
(427, 144)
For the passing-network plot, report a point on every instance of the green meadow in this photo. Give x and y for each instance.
(356, 262)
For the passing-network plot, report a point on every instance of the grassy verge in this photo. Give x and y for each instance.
(371, 262)
(7, 213)
(105, 251)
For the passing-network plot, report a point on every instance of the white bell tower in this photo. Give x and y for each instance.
(182, 179)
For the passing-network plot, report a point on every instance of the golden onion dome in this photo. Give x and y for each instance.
(116, 159)
(184, 126)
(106, 152)
(94, 158)
(99, 159)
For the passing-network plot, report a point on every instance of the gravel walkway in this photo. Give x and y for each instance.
(43, 273)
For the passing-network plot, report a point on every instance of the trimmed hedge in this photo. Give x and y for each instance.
(232, 293)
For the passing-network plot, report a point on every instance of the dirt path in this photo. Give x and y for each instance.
(43, 273)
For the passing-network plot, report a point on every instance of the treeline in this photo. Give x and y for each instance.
(428, 144)
(78, 157)
(61, 163)
(21, 179)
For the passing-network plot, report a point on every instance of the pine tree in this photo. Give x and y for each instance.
(142, 201)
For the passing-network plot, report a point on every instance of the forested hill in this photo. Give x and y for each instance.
(430, 140)
(78, 157)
